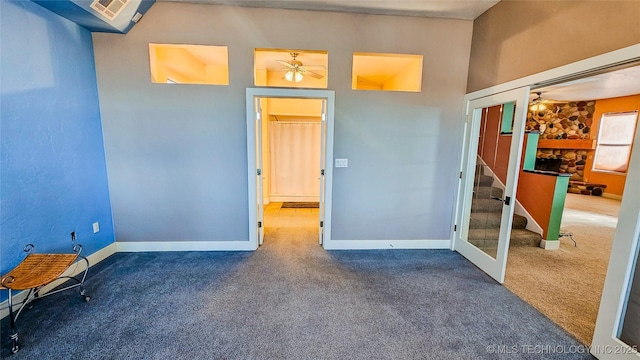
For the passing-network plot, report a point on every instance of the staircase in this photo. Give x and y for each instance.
(486, 212)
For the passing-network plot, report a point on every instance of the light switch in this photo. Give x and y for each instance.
(342, 163)
(96, 227)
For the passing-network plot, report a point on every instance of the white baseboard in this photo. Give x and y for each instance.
(386, 244)
(550, 244)
(611, 196)
(144, 246)
(73, 270)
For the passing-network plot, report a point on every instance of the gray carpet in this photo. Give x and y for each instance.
(289, 300)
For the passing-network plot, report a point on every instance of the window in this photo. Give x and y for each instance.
(189, 64)
(291, 68)
(614, 141)
(387, 72)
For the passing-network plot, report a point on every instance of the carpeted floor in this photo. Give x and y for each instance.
(566, 284)
(290, 300)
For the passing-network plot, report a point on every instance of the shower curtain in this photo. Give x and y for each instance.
(295, 160)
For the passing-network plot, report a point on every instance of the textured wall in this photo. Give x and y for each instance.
(53, 169)
(514, 38)
(177, 155)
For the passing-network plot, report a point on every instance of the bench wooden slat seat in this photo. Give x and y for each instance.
(38, 270)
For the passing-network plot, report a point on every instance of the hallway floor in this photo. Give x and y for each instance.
(566, 284)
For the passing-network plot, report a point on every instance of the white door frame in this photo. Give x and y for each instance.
(252, 95)
(628, 229)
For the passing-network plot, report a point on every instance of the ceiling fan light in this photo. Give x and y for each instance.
(289, 76)
(538, 107)
(293, 76)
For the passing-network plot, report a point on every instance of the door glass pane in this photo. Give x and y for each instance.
(630, 325)
(492, 163)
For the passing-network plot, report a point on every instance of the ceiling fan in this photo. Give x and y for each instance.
(541, 105)
(295, 70)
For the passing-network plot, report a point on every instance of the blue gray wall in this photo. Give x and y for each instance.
(53, 170)
(176, 154)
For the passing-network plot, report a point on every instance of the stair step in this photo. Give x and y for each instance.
(481, 220)
(486, 192)
(488, 238)
(482, 169)
(486, 206)
(483, 180)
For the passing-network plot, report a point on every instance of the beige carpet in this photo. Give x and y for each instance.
(566, 284)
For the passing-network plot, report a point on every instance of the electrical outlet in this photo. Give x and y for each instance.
(96, 227)
(342, 163)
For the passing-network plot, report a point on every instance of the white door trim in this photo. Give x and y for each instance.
(253, 93)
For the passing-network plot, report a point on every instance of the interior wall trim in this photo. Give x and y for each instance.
(417, 244)
(143, 246)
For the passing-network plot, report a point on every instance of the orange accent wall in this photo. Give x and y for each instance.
(494, 148)
(535, 193)
(614, 182)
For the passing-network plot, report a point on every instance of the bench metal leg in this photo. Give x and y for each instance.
(12, 320)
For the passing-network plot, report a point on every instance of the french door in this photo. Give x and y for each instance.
(490, 166)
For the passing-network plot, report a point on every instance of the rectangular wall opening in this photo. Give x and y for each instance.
(189, 64)
(291, 68)
(387, 72)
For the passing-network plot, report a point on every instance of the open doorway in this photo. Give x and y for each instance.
(291, 167)
(566, 283)
(289, 149)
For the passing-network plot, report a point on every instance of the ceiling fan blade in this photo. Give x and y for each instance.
(286, 63)
(314, 74)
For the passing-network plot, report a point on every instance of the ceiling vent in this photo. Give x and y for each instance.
(109, 8)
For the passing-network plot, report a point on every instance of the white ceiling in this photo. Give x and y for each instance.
(612, 84)
(454, 9)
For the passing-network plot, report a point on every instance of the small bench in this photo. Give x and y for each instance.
(35, 272)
